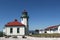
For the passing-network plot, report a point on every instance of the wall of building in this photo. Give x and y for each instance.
(25, 22)
(55, 30)
(52, 31)
(21, 31)
(41, 32)
(59, 29)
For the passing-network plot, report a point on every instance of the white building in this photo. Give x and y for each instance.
(41, 31)
(53, 29)
(18, 28)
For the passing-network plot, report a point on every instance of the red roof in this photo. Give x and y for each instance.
(52, 27)
(14, 23)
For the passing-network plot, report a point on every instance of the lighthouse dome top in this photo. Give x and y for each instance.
(24, 14)
(24, 10)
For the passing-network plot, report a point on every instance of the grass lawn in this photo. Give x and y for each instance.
(46, 35)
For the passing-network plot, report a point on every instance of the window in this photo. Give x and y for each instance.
(55, 29)
(17, 30)
(11, 30)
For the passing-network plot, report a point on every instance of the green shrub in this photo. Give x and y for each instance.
(1, 34)
(14, 36)
(46, 35)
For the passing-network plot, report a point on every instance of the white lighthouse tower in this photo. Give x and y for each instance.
(24, 20)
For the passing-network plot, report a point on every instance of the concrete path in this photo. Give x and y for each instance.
(28, 38)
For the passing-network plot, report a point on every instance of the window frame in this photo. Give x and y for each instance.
(11, 30)
(18, 30)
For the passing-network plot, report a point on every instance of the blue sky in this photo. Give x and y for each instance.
(42, 13)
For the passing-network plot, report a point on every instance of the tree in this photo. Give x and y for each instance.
(1, 34)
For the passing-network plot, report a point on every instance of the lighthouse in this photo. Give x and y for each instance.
(17, 28)
(24, 20)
